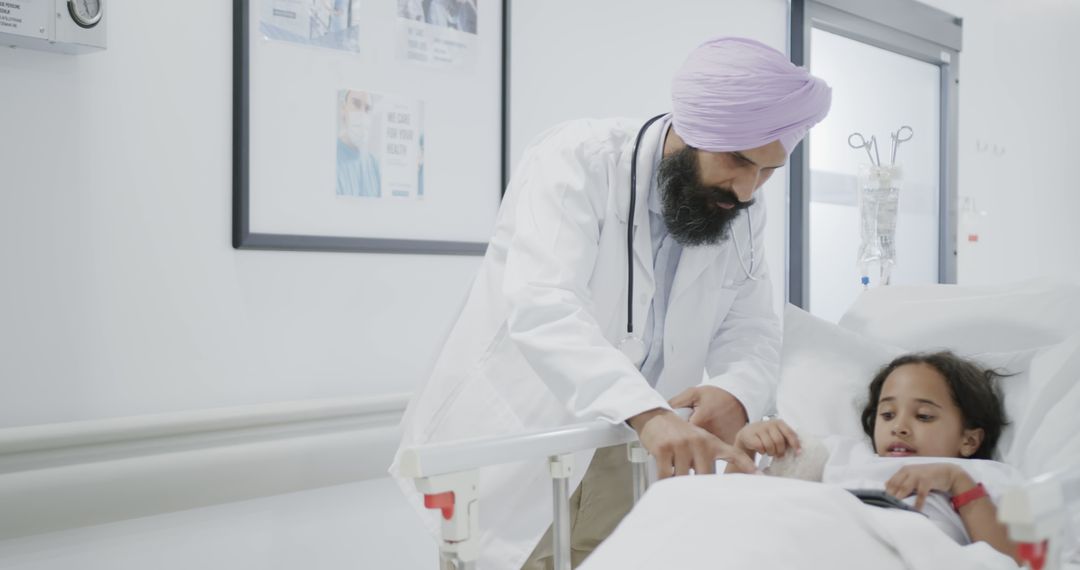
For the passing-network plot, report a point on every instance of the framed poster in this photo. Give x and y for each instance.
(367, 125)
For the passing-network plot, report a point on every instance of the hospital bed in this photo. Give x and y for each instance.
(1031, 329)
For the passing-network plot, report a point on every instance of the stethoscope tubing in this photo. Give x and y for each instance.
(630, 225)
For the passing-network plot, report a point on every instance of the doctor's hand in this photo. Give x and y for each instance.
(679, 446)
(715, 409)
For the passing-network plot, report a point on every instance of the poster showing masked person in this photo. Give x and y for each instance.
(379, 145)
(333, 24)
(437, 32)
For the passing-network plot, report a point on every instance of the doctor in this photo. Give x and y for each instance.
(627, 262)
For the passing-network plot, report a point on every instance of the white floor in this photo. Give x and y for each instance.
(358, 526)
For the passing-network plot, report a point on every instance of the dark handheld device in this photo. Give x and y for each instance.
(879, 498)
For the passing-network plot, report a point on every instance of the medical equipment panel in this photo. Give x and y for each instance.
(62, 26)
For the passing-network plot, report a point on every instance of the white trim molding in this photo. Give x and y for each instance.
(59, 476)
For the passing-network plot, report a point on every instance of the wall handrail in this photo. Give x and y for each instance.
(463, 455)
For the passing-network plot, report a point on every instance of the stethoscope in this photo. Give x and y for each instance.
(631, 345)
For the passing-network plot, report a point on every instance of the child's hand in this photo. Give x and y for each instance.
(921, 479)
(773, 437)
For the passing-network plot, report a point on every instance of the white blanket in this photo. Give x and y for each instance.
(746, 521)
(852, 464)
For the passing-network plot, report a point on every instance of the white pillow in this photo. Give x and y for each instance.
(825, 372)
(968, 319)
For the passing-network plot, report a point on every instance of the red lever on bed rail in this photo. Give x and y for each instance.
(444, 501)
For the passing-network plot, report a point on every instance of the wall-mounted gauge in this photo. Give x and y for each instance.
(85, 13)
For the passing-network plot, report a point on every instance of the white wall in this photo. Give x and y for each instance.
(615, 58)
(121, 293)
(1019, 87)
(122, 296)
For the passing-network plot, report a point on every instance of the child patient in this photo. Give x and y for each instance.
(921, 405)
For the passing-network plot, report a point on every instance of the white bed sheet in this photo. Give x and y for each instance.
(745, 521)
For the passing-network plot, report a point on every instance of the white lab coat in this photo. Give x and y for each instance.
(535, 344)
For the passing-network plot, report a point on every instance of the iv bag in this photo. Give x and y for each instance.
(879, 199)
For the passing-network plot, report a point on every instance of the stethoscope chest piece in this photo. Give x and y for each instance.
(633, 348)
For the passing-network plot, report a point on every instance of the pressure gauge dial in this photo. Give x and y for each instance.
(86, 13)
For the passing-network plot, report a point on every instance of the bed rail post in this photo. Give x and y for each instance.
(561, 466)
(446, 473)
(639, 458)
(1035, 515)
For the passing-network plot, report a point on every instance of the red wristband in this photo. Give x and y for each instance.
(976, 492)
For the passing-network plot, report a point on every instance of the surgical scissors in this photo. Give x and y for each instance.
(902, 135)
(863, 143)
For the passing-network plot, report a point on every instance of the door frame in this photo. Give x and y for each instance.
(905, 27)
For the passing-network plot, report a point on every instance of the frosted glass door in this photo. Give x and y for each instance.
(875, 92)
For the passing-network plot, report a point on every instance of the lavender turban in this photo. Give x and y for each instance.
(737, 94)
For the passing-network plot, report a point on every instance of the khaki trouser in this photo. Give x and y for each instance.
(596, 507)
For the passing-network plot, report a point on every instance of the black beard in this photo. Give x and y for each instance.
(691, 209)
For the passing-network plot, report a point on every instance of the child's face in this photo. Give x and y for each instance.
(917, 416)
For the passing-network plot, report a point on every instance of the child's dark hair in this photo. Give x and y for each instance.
(973, 389)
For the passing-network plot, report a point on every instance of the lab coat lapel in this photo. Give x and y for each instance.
(688, 321)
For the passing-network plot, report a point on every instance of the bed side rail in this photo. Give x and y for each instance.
(446, 474)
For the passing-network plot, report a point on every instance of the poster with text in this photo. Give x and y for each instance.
(380, 145)
(437, 32)
(327, 23)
